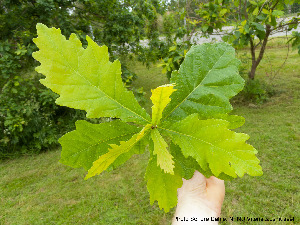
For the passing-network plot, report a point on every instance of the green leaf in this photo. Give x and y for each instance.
(164, 158)
(207, 79)
(162, 186)
(222, 12)
(234, 120)
(258, 26)
(188, 164)
(85, 78)
(214, 146)
(160, 99)
(277, 13)
(265, 11)
(114, 153)
(204, 28)
(81, 147)
(255, 11)
(172, 48)
(253, 2)
(138, 148)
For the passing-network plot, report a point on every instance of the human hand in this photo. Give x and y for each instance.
(199, 197)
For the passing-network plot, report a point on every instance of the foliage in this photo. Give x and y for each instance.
(295, 40)
(30, 121)
(24, 127)
(18, 19)
(28, 113)
(172, 51)
(256, 91)
(251, 19)
(195, 116)
(174, 58)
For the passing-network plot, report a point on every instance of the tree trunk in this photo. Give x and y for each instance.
(255, 62)
(251, 74)
(252, 71)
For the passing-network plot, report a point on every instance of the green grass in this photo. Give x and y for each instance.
(39, 190)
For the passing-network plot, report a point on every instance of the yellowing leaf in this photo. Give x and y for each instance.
(85, 78)
(142, 132)
(222, 12)
(116, 150)
(81, 147)
(255, 12)
(172, 48)
(164, 158)
(215, 146)
(265, 11)
(160, 99)
(162, 186)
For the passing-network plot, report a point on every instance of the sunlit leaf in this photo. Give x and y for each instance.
(214, 146)
(85, 78)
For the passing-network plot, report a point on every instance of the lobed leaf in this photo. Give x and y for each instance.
(215, 147)
(164, 158)
(85, 78)
(162, 186)
(81, 147)
(114, 153)
(160, 99)
(206, 80)
(189, 165)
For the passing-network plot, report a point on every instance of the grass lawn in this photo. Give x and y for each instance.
(39, 190)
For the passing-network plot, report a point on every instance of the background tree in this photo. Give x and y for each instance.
(251, 19)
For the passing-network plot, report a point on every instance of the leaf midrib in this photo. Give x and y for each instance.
(104, 163)
(193, 137)
(67, 63)
(195, 87)
(97, 143)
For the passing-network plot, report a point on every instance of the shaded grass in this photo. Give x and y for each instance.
(39, 190)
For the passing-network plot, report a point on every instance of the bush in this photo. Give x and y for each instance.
(29, 117)
(28, 113)
(255, 91)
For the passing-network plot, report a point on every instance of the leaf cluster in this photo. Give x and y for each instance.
(190, 128)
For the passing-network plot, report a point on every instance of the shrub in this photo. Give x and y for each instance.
(29, 117)
(255, 91)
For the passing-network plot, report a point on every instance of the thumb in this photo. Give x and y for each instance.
(215, 191)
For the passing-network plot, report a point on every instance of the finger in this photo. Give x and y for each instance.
(215, 189)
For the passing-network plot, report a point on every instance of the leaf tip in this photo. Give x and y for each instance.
(40, 26)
